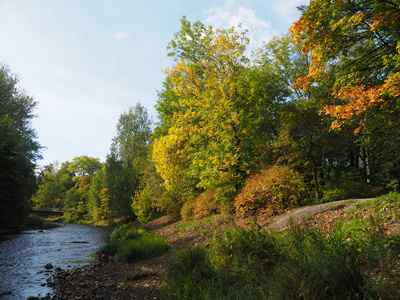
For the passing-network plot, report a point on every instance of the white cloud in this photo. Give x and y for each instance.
(287, 9)
(259, 30)
(119, 36)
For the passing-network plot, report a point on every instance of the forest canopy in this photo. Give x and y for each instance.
(316, 109)
(19, 150)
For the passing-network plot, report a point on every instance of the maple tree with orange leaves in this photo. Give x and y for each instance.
(362, 39)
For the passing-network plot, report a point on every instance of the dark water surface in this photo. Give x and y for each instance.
(23, 257)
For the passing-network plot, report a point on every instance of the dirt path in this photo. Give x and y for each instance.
(302, 213)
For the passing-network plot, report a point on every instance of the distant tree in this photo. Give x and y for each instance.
(128, 150)
(19, 150)
(53, 183)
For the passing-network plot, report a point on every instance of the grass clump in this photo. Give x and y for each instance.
(130, 244)
(354, 260)
(141, 248)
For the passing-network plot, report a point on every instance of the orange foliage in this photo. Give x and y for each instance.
(359, 99)
(271, 190)
(328, 29)
(205, 205)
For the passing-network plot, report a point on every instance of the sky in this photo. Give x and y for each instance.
(87, 61)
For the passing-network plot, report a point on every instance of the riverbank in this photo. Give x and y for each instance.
(141, 280)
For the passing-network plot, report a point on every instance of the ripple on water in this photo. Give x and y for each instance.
(23, 257)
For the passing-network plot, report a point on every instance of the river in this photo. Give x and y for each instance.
(23, 257)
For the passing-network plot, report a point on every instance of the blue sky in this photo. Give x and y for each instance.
(88, 61)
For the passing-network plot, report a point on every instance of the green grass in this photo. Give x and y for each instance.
(356, 260)
(142, 248)
(130, 244)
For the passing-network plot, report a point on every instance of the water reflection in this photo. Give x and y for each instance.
(23, 257)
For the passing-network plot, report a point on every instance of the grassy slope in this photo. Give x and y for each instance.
(367, 242)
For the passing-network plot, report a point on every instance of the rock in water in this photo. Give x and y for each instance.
(48, 266)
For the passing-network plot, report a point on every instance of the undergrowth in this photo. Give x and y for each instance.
(355, 260)
(131, 244)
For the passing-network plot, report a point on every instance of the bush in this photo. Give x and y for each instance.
(273, 189)
(299, 264)
(319, 267)
(250, 252)
(110, 249)
(188, 275)
(141, 248)
(204, 205)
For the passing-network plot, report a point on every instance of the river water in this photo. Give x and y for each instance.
(23, 257)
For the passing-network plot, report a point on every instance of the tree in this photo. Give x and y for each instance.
(53, 183)
(206, 83)
(361, 38)
(222, 106)
(19, 150)
(128, 150)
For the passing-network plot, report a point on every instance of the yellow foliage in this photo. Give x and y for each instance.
(171, 156)
(204, 135)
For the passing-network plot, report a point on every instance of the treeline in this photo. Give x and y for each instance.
(309, 118)
(19, 150)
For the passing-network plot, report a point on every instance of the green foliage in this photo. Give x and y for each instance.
(151, 196)
(272, 190)
(187, 274)
(142, 248)
(217, 133)
(247, 253)
(142, 206)
(319, 267)
(128, 152)
(19, 150)
(349, 190)
(123, 233)
(130, 244)
(110, 249)
(301, 263)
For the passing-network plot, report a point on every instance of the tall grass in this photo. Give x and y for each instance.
(354, 261)
(132, 244)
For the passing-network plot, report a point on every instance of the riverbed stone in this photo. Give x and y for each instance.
(48, 266)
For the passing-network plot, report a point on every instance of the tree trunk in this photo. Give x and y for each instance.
(315, 178)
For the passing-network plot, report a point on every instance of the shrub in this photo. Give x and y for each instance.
(205, 205)
(250, 252)
(187, 210)
(110, 249)
(141, 248)
(273, 189)
(318, 267)
(188, 275)
(132, 244)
